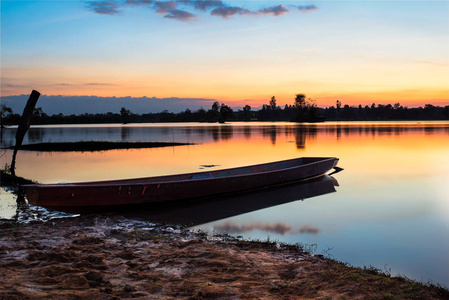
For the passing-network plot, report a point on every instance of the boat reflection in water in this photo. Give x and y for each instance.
(201, 212)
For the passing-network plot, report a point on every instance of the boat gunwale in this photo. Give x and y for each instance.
(129, 182)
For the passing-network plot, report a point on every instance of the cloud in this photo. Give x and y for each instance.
(99, 83)
(180, 15)
(88, 83)
(68, 105)
(180, 9)
(164, 7)
(228, 11)
(109, 7)
(307, 8)
(16, 85)
(139, 2)
(204, 5)
(275, 10)
(167, 8)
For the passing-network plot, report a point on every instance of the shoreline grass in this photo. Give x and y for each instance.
(92, 146)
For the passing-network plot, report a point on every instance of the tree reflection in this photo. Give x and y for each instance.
(215, 133)
(271, 132)
(226, 132)
(247, 132)
(36, 135)
(199, 133)
(124, 133)
(304, 132)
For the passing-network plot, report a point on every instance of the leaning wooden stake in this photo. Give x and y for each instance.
(23, 126)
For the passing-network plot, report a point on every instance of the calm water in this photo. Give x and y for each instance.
(389, 209)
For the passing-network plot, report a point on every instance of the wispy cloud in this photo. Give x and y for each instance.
(95, 104)
(228, 11)
(99, 83)
(180, 15)
(207, 4)
(181, 10)
(86, 84)
(139, 2)
(164, 7)
(108, 7)
(274, 10)
(307, 8)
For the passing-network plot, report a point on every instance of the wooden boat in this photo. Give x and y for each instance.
(96, 196)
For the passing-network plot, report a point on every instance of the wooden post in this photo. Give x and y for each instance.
(24, 125)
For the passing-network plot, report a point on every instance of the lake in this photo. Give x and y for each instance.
(388, 208)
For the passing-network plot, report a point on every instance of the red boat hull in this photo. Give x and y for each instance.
(95, 195)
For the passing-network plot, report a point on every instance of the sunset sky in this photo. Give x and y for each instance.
(237, 52)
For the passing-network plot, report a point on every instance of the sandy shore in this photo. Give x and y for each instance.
(109, 257)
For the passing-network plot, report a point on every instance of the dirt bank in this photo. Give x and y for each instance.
(108, 257)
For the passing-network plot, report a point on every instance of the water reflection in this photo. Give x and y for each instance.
(227, 206)
(8, 204)
(231, 227)
(186, 132)
(125, 133)
(36, 135)
(13, 206)
(247, 132)
(392, 207)
(226, 132)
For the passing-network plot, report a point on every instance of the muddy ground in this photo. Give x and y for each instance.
(109, 257)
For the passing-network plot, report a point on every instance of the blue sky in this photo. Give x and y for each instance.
(355, 51)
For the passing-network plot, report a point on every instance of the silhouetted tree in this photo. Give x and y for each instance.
(4, 111)
(306, 110)
(338, 104)
(300, 101)
(38, 112)
(311, 110)
(215, 106)
(186, 116)
(39, 116)
(346, 113)
(225, 112)
(247, 112)
(428, 110)
(124, 115)
(213, 113)
(445, 112)
(331, 112)
(166, 116)
(273, 103)
(201, 115)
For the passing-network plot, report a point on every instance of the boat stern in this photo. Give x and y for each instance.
(32, 193)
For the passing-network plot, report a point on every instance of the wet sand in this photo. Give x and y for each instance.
(110, 257)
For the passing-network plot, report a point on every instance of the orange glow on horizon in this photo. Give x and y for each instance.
(252, 89)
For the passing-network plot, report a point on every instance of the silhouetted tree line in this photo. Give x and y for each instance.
(386, 112)
(302, 110)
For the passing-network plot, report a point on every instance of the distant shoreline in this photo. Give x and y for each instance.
(297, 113)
